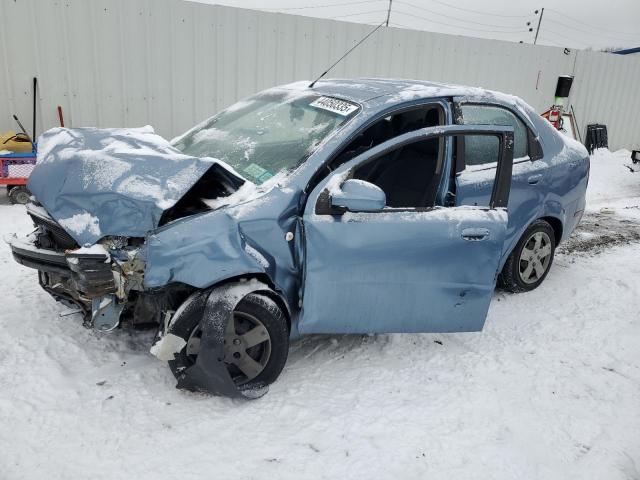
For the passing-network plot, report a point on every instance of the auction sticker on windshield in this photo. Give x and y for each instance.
(341, 107)
(258, 173)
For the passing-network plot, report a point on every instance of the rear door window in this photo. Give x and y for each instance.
(474, 183)
(482, 150)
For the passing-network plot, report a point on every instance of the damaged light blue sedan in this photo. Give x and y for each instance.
(350, 206)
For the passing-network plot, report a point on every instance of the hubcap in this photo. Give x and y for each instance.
(247, 347)
(535, 257)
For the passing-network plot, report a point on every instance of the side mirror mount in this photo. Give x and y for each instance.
(359, 196)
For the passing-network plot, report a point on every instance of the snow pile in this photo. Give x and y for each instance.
(611, 182)
(446, 216)
(167, 346)
(81, 223)
(247, 197)
(335, 182)
(422, 89)
(96, 249)
(247, 191)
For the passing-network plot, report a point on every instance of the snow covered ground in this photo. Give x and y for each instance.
(549, 390)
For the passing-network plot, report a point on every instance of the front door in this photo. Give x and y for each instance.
(413, 266)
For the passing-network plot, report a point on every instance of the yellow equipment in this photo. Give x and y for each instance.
(15, 142)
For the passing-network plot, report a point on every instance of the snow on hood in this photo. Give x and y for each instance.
(111, 181)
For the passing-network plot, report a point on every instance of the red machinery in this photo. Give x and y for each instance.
(554, 115)
(562, 120)
(15, 168)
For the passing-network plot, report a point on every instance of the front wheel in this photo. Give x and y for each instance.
(530, 261)
(256, 342)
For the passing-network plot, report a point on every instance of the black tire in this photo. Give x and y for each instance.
(512, 277)
(256, 305)
(19, 195)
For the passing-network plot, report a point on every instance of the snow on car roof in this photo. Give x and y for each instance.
(365, 89)
(372, 92)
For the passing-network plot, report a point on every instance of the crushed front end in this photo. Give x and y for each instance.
(104, 282)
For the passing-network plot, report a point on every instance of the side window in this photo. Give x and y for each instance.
(478, 150)
(408, 175)
(474, 185)
(388, 128)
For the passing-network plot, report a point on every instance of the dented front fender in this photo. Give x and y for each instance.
(254, 239)
(201, 251)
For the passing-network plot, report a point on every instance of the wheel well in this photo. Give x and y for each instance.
(556, 224)
(274, 294)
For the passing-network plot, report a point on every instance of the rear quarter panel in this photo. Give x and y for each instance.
(566, 177)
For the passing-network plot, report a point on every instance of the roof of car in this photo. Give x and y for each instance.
(375, 94)
(362, 90)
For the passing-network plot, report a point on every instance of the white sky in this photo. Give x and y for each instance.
(566, 23)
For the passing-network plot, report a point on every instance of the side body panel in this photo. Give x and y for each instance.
(400, 271)
(553, 186)
(474, 188)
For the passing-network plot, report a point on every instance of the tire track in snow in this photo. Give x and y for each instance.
(601, 230)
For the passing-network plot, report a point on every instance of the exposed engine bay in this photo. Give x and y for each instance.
(215, 183)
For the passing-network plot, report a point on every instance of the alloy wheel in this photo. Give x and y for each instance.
(535, 257)
(247, 346)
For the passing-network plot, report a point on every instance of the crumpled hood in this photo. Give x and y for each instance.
(115, 181)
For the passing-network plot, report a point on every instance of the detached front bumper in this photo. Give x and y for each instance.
(81, 280)
(29, 255)
(90, 273)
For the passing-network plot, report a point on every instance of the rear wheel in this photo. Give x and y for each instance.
(529, 263)
(19, 195)
(256, 342)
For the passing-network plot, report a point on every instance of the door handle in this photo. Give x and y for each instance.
(533, 179)
(475, 234)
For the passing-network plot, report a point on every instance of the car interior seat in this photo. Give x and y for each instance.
(375, 135)
(408, 175)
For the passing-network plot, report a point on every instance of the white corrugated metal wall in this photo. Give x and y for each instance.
(171, 63)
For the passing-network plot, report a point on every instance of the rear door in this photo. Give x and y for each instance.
(529, 176)
(404, 269)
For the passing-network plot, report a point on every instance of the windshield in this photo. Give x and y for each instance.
(269, 133)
